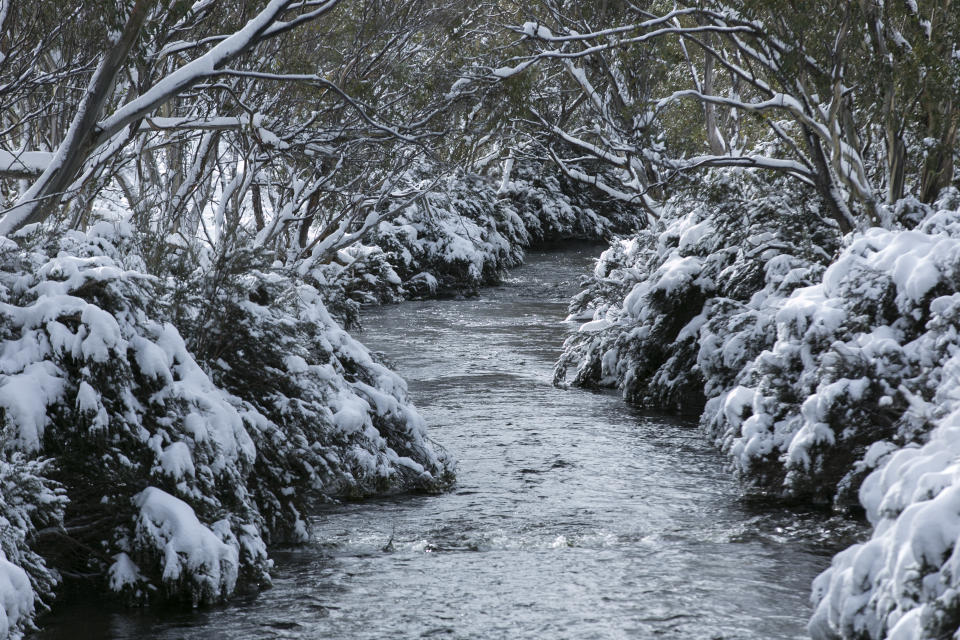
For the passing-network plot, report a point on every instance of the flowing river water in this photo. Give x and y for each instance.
(574, 515)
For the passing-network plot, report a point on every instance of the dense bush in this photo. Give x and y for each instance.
(29, 503)
(165, 429)
(466, 232)
(904, 582)
(721, 249)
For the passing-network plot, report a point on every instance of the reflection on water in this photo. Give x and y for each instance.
(574, 516)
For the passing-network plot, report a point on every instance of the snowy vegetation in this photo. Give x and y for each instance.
(472, 227)
(196, 198)
(728, 248)
(176, 454)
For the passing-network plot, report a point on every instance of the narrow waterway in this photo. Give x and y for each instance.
(574, 515)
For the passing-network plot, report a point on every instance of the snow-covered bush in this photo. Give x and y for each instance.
(903, 583)
(553, 209)
(359, 274)
(454, 240)
(29, 502)
(467, 231)
(345, 420)
(832, 374)
(97, 382)
(803, 368)
(722, 249)
(17, 600)
(857, 360)
(177, 424)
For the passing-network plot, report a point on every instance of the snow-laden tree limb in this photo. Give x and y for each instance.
(770, 71)
(86, 132)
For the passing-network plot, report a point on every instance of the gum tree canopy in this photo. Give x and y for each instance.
(270, 105)
(858, 100)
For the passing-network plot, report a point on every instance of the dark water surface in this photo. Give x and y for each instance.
(574, 516)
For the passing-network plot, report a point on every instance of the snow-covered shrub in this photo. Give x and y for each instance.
(680, 305)
(553, 209)
(904, 582)
(466, 232)
(802, 368)
(29, 502)
(359, 274)
(98, 383)
(326, 418)
(17, 600)
(181, 449)
(827, 383)
(857, 360)
(454, 240)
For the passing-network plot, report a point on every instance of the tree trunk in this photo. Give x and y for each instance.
(257, 206)
(826, 188)
(42, 198)
(896, 167)
(304, 232)
(714, 139)
(938, 165)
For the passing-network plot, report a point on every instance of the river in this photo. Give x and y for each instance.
(574, 516)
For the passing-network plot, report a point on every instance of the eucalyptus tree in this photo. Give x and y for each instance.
(280, 118)
(856, 100)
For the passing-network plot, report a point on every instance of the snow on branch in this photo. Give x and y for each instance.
(794, 168)
(209, 64)
(23, 164)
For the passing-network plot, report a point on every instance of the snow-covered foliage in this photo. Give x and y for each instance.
(466, 231)
(29, 501)
(175, 425)
(723, 249)
(359, 274)
(804, 368)
(858, 358)
(831, 378)
(904, 582)
(323, 387)
(16, 600)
